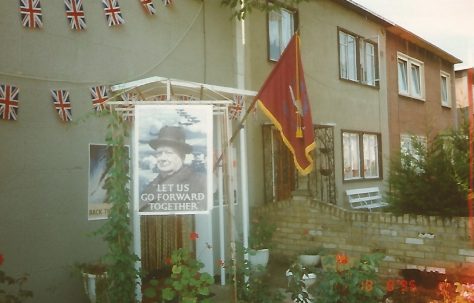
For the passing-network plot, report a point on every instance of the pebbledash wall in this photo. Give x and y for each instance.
(422, 242)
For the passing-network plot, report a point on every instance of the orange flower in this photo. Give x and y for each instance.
(342, 259)
(305, 232)
(193, 236)
(168, 261)
(368, 285)
(390, 286)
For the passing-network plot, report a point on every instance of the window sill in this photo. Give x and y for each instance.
(356, 82)
(361, 180)
(446, 106)
(411, 97)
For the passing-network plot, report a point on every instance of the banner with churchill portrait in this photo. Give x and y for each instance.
(172, 163)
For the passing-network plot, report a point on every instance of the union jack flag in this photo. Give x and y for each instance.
(31, 15)
(99, 97)
(235, 109)
(112, 12)
(75, 14)
(8, 102)
(148, 6)
(62, 103)
(168, 2)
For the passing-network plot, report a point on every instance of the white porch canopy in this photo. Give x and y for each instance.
(160, 90)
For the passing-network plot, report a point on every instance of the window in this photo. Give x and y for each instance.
(361, 153)
(281, 27)
(357, 59)
(445, 89)
(410, 77)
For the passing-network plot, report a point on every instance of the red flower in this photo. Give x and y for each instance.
(390, 286)
(168, 261)
(403, 285)
(412, 285)
(1, 259)
(342, 259)
(193, 236)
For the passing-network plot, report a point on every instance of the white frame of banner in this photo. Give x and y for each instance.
(172, 91)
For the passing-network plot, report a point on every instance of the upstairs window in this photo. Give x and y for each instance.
(410, 77)
(281, 27)
(357, 59)
(361, 153)
(445, 89)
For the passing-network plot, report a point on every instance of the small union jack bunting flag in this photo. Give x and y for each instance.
(31, 14)
(148, 6)
(62, 104)
(235, 109)
(168, 2)
(75, 14)
(99, 97)
(8, 102)
(112, 12)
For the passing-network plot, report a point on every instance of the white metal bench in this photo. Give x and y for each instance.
(365, 198)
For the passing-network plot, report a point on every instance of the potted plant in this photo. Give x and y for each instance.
(261, 233)
(310, 257)
(94, 279)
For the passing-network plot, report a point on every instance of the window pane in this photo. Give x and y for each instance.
(371, 159)
(402, 76)
(415, 80)
(342, 54)
(286, 28)
(444, 90)
(274, 35)
(351, 58)
(280, 31)
(347, 56)
(350, 143)
(368, 64)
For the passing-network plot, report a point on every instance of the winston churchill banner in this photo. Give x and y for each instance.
(173, 148)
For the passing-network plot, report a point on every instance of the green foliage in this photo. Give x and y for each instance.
(253, 282)
(11, 288)
(186, 284)
(343, 282)
(296, 286)
(243, 8)
(432, 180)
(261, 233)
(116, 231)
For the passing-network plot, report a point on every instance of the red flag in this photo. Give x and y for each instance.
(283, 98)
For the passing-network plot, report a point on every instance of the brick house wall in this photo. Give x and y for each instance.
(423, 242)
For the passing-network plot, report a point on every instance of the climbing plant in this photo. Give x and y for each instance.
(116, 231)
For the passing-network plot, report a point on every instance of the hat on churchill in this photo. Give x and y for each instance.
(173, 136)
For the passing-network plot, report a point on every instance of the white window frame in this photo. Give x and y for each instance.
(348, 56)
(281, 27)
(368, 62)
(445, 85)
(361, 156)
(407, 81)
(357, 58)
